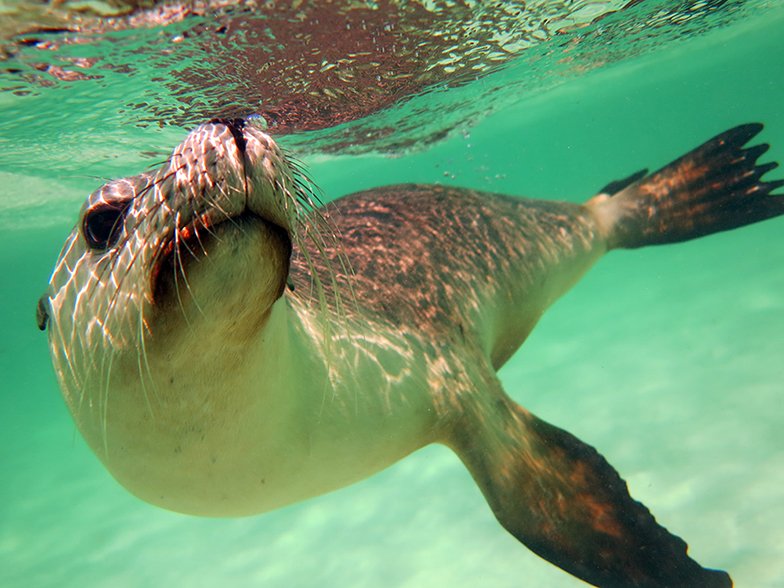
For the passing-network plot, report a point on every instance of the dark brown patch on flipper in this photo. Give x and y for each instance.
(561, 498)
(716, 187)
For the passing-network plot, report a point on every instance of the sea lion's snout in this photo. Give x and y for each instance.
(235, 126)
(226, 182)
(231, 165)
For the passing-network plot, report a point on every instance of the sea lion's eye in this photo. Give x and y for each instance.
(103, 224)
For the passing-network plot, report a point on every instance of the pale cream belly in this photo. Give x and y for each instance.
(226, 451)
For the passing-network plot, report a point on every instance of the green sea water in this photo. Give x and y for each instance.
(668, 360)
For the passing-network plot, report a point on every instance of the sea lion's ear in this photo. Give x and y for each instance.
(561, 499)
(42, 312)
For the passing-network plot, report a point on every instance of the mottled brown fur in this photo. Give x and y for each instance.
(431, 256)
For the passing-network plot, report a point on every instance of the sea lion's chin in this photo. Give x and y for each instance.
(227, 277)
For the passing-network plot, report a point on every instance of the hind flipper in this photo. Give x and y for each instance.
(560, 498)
(716, 187)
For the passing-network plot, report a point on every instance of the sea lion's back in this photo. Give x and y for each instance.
(418, 254)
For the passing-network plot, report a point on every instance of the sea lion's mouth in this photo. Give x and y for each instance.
(183, 246)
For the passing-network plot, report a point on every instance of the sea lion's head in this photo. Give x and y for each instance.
(168, 279)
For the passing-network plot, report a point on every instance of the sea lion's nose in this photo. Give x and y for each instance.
(235, 126)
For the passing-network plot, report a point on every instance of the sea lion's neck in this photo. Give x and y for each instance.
(183, 440)
(199, 447)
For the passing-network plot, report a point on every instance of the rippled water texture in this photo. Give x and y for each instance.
(424, 69)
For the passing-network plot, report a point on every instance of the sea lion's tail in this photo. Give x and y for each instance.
(559, 497)
(716, 187)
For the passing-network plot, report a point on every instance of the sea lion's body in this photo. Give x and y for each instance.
(262, 352)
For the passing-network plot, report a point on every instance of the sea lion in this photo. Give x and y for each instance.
(227, 346)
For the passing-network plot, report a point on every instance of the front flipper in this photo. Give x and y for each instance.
(560, 498)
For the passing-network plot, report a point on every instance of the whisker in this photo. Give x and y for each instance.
(141, 354)
(179, 265)
(115, 259)
(104, 403)
(131, 230)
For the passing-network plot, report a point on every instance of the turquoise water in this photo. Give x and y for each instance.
(668, 360)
